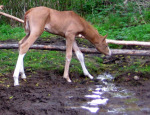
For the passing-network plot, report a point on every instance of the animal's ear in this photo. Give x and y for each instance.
(104, 38)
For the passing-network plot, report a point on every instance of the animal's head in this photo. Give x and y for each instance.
(102, 46)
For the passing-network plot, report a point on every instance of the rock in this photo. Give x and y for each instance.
(136, 77)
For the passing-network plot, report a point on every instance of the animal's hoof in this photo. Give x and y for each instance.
(91, 77)
(24, 79)
(69, 80)
(16, 84)
(23, 76)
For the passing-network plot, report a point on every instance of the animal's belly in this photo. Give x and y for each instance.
(53, 30)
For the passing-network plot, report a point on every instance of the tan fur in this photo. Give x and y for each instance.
(64, 23)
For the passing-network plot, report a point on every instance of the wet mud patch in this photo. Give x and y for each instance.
(42, 93)
(46, 92)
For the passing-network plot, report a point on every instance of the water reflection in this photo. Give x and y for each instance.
(103, 98)
(99, 99)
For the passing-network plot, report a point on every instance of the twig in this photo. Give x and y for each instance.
(12, 17)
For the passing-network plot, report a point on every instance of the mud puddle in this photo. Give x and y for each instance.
(107, 98)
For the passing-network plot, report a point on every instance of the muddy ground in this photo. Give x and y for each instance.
(47, 93)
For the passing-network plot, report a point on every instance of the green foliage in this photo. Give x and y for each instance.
(137, 33)
(106, 11)
(135, 65)
(8, 32)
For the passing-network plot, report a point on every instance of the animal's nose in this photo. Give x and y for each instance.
(109, 53)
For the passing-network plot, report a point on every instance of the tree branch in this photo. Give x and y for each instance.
(12, 17)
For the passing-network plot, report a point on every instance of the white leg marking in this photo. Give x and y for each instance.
(23, 76)
(19, 66)
(81, 59)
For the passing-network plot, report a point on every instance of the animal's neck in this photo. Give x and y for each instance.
(92, 34)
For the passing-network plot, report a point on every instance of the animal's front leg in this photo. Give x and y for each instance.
(17, 69)
(69, 43)
(81, 59)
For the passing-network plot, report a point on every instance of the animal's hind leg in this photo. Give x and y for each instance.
(24, 39)
(17, 69)
(21, 70)
(81, 59)
(24, 47)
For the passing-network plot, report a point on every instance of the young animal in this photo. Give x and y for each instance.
(64, 23)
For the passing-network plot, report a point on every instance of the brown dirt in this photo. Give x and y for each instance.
(43, 93)
(47, 93)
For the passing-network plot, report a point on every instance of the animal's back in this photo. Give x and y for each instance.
(54, 18)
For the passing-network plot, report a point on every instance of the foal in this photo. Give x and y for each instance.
(64, 23)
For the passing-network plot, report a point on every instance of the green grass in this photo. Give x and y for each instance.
(42, 59)
(135, 65)
(8, 32)
(136, 68)
(133, 33)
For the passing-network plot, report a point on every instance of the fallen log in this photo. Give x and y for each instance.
(119, 42)
(122, 42)
(84, 50)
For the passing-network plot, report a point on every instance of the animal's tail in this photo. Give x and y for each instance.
(26, 23)
(27, 28)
